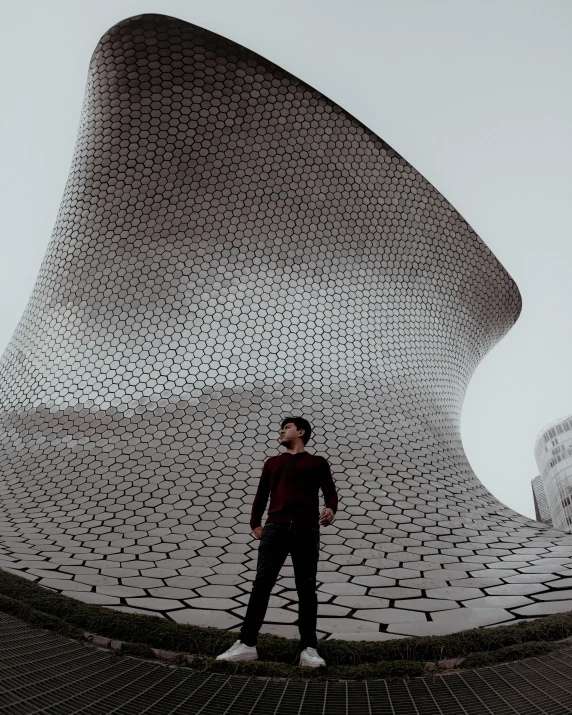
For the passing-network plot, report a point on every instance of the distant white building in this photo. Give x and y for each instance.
(541, 508)
(553, 452)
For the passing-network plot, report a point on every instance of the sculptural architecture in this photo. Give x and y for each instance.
(232, 247)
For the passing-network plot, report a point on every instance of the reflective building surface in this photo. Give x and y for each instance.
(553, 452)
(232, 248)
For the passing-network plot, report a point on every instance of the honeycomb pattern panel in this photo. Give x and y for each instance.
(232, 247)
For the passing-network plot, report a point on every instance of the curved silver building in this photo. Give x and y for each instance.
(232, 247)
(553, 453)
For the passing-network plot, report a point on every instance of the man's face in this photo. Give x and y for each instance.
(289, 433)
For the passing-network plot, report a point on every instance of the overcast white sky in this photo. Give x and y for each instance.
(474, 93)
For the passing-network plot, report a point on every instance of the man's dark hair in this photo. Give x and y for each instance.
(300, 423)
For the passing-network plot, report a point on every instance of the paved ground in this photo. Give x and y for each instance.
(44, 673)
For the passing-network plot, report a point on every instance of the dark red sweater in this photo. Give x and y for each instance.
(295, 497)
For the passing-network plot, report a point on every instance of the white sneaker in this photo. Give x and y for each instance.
(310, 658)
(239, 651)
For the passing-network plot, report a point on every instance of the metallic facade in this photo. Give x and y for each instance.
(553, 452)
(232, 247)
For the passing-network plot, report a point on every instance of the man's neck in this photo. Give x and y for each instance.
(296, 449)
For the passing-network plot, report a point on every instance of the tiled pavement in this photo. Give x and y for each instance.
(44, 673)
(233, 247)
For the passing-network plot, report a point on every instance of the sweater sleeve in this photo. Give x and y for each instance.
(329, 488)
(261, 498)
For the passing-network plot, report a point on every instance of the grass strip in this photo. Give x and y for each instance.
(365, 671)
(47, 609)
(37, 618)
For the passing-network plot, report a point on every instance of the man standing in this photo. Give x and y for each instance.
(293, 480)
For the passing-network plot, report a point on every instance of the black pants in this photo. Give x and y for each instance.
(279, 540)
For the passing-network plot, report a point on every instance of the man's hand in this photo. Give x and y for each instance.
(326, 517)
(257, 532)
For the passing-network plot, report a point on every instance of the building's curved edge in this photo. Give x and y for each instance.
(273, 65)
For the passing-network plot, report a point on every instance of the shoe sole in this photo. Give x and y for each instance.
(237, 659)
(309, 665)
